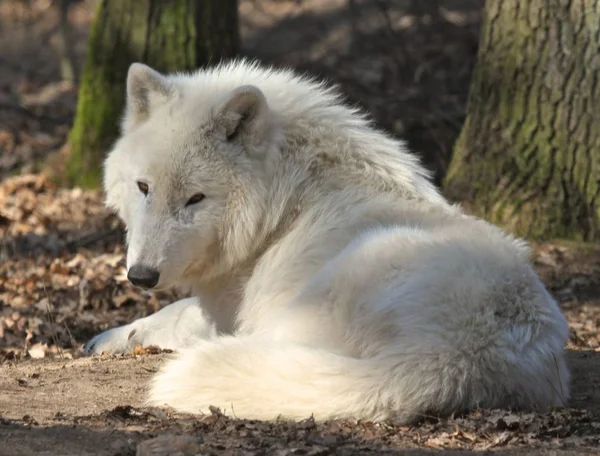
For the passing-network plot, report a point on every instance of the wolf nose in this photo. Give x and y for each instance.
(143, 276)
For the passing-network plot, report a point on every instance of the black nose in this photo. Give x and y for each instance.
(143, 276)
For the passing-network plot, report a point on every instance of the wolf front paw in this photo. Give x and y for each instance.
(177, 326)
(113, 342)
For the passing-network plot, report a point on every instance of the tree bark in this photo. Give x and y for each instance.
(528, 155)
(169, 35)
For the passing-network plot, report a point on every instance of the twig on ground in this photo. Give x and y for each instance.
(32, 115)
(52, 325)
(92, 238)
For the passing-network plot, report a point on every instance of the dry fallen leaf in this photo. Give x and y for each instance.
(147, 350)
(37, 351)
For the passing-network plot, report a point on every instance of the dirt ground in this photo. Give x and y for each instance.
(95, 406)
(62, 262)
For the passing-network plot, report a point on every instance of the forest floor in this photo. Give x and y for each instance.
(62, 276)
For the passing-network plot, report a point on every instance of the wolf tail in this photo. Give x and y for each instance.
(254, 379)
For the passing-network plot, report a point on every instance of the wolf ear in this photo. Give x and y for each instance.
(244, 113)
(147, 89)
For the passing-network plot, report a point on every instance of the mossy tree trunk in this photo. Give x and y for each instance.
(169, 35)
(528, 156)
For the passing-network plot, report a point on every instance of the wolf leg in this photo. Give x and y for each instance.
(177, 326)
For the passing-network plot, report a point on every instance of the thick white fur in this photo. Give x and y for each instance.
(334, 279)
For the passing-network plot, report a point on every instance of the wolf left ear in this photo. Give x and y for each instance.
(244, 113)
(147, 89)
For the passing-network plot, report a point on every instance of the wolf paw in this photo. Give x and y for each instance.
(177, 326)
(114, 341)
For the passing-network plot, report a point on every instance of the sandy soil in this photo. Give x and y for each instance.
(95, 406)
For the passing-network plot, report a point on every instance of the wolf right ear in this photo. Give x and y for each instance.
(146, 90)
(245, 112)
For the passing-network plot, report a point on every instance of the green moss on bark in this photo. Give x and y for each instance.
(170, 35)
(528, 156)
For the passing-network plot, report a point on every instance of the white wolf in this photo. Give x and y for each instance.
(330, 277)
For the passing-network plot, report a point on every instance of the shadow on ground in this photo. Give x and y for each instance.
(408, 63)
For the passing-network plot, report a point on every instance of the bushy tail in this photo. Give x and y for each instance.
(250, 378)
(254, 379)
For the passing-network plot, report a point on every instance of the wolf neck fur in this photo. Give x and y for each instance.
(308, 166)
(309, 187)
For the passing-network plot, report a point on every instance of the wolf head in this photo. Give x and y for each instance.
(187, 176)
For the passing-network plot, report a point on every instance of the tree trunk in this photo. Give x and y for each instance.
(169, 35)
(528, 155)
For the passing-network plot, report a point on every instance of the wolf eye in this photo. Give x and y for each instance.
(143, 187)
(194, 199)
